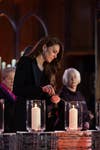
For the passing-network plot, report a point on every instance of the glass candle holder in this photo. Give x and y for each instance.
(1, 115)
(35, 115)
(73, 115)
(98, 115)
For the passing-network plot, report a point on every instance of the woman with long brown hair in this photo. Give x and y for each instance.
(35, 76)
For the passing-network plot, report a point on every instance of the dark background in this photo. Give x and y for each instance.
(72, 21)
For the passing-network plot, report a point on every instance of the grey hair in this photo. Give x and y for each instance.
(6, 71)
(66, 75)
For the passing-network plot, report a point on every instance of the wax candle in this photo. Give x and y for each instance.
(73, 118)
(36, 118)
(3, 65)
(13, 62)
(8, 65)
(22, 53)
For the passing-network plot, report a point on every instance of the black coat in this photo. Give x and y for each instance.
(27, 85)
(29, 79)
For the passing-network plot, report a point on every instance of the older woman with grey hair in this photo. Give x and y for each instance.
(71, 78)
(6, 85)
(69, 92)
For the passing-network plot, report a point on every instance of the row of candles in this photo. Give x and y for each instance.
(4, 65)
(36, 118)
(37, 115)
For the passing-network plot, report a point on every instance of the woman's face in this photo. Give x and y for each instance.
(72, 80)
(9, 80)
(50, 53)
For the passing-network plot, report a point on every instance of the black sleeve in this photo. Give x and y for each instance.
(24, 82)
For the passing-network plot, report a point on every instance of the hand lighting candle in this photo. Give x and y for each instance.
(36, 118)
(73, 118)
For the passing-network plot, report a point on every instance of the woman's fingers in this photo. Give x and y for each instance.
(48, 89)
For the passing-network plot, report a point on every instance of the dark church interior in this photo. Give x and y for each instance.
(77, 25)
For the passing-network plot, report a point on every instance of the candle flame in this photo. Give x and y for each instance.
(35, 104)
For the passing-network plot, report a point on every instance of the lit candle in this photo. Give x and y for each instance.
(3, 65)
(8, 65)
(73, 118)
(36, 118)
(13, 62)
(22, 53)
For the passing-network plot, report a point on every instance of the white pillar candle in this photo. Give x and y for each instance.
(13, 62)
(22, 53)
(73, 118)
(9, 65)
(3, 65)
(36, 118)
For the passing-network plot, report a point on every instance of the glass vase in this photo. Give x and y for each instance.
(35, 115)
(73, 115)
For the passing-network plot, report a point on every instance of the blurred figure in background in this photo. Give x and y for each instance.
(6, 86)
(69, 92)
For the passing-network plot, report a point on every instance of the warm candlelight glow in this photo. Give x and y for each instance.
(35, 105)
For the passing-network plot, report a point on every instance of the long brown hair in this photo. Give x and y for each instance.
(50, 68)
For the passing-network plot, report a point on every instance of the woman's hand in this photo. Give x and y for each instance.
(48, 89)
(55, 99)
(86, 126)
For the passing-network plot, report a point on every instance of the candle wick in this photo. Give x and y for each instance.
(35, 105)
